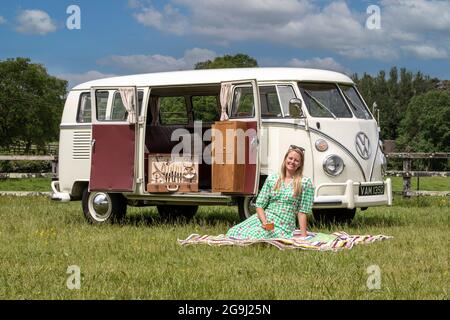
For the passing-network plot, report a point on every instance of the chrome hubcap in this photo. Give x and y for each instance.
(100, 206)
(249, 205)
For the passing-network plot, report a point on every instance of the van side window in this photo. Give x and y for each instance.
(243, 104)
(286, 94)
(101, 100)
(84, 108)
(173, 110)
(270, 105)
(205, 108)
(118, 111)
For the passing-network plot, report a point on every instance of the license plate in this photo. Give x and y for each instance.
(371, 190)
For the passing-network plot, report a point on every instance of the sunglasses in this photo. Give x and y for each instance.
(294, 147)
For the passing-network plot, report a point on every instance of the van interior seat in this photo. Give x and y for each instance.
(158, 140)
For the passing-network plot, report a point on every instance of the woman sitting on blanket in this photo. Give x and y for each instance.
(284, 197)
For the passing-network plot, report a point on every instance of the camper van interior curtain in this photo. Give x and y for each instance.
(128, 98)
(154, 109)
(224, 97)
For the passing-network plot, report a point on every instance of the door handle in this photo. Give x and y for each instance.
(92, 145)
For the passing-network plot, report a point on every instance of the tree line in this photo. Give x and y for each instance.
(412, 110)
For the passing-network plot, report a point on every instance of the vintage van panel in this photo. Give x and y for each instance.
(74, 153)
(352, 171)
(344, 131)
(276, 137)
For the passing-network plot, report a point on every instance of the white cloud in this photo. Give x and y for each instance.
(157, 62)
(331, 26)
(170, 20)
(35, 22)
(2, 20)
(319, 63)
(427, 52)
(417, 15)
(77, 78)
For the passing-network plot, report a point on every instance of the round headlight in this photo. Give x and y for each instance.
(333, 165)
(321, 145)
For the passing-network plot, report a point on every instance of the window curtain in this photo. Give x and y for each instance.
(225, 91)
(154, 109)
(128, 97)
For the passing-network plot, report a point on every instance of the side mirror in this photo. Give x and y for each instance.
(295, 108)
(377, 111)
(374, 107)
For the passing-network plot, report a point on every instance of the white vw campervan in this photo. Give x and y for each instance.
(120, 138)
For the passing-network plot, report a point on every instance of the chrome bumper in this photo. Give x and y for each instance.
(58, 195)
(351, 199)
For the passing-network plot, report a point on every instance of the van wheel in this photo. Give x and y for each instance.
(102, 207)
(331, 216)
(246, 207)
(172, 212)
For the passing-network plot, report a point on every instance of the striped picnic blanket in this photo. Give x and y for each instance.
(314, 241)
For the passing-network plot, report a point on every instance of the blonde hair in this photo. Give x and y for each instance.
(297, 178)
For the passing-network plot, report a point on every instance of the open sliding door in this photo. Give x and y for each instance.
(113, 139)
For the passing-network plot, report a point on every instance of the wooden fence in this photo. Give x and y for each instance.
(52, 159)
(20, 149)
(407, 173)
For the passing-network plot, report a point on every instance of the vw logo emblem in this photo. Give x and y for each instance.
(363, 145)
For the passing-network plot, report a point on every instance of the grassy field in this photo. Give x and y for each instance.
(35, 184)
(141, 259)
(43, 184)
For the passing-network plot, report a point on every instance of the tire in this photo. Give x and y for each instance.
(171, 212)
(332, 216)
(246, 207)
(102, 207)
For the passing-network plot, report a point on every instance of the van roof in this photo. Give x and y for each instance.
(208, 76)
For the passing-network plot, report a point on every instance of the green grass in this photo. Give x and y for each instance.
(34, 184)
(141, 259)
(425, 183)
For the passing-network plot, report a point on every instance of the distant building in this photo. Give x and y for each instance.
(443, 85)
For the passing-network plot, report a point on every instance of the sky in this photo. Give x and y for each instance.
(90, 39)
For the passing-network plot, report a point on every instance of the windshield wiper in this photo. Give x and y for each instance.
(319, 103)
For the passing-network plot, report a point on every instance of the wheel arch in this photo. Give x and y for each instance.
(77, 189)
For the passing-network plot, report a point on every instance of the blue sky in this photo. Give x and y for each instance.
(138, 36)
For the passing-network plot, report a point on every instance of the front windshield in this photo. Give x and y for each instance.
(355, 102)
(324, 100)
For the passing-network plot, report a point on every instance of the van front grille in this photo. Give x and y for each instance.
(81, 147)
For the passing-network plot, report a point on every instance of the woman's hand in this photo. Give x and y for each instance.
(268, 226)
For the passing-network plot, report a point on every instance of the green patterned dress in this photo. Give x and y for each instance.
(280, 207)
